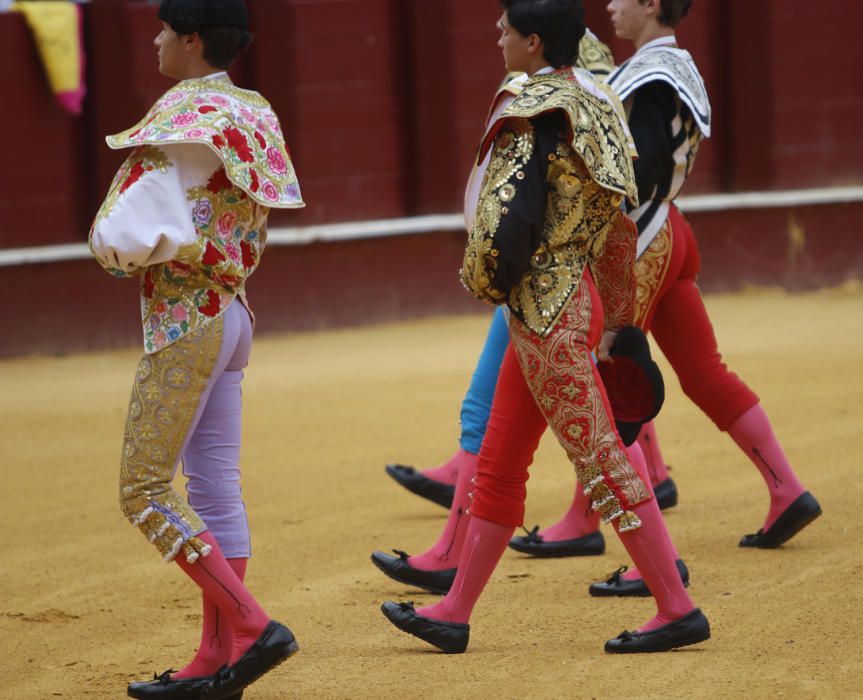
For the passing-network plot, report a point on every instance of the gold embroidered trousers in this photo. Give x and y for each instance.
(551, 382)
(165, 397)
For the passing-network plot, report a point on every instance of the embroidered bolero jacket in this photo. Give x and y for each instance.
(549, 204)
(187, 211)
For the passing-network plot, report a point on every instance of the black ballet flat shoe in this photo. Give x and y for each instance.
(421, 485)
(449, 637)
(793, 519)
(692, 628)
(620, 587)
(398, 569)
(274, 645)
(535, 545)
(166, 688)
(666, 494)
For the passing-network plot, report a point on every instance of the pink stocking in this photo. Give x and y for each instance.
(446, 551)
(637, 460)
(484, 545)
(754, 435)
(446, 473)
(652, 551)
(578, 521)
(237, 607)
(217, 638)
(649, 444)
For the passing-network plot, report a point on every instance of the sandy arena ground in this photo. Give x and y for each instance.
(86, 606)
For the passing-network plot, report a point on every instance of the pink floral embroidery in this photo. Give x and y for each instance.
(276, 161)
(179, 313)
(233, 252)
(195, 134)
(219, 100)
(270, 191)
(225, 225)
(184, 119)
(174, 98)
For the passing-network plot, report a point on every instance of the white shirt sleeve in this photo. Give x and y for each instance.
(152, 219)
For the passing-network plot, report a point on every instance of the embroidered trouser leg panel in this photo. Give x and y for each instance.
(165, 397)
(557, 373)
(670, 306)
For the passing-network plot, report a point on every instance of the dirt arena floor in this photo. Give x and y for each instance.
(86, 606)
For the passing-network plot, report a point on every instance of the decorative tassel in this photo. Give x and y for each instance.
(196, 548)
(171, 553)
(142, 517)
(628, 521)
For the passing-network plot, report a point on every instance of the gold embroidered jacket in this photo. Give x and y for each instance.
(560, 167)
(187, 211)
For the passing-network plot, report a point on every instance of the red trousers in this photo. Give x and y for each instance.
(552, 381)
(669, 305)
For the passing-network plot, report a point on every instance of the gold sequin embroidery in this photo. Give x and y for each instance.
(650, 271)
(512, 149)
(165, 395)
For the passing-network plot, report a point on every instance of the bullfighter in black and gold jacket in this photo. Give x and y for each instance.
(549, 241)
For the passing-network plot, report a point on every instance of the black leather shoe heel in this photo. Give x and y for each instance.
(274, 645)
(620, 587)
(666, 494)
(535, 545)
(449, 637)
(421, 485)
(398, 569)
(793, 519)
(692, 628)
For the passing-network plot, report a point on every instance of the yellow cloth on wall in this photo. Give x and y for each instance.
(56, 29)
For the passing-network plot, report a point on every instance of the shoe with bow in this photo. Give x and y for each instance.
(535, 545)
(399, 569)
(449, 637)
(692, 628)
(618, 586)
(165, 687)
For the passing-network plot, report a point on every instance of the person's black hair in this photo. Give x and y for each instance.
(558, 23)
(223, 26)
(673, 11)
(222, 45)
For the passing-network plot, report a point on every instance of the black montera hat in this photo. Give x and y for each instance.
(187, 16)
(633, 383)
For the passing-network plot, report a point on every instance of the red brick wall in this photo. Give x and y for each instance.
(40, 150)
(383, 102)
(784, 81)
